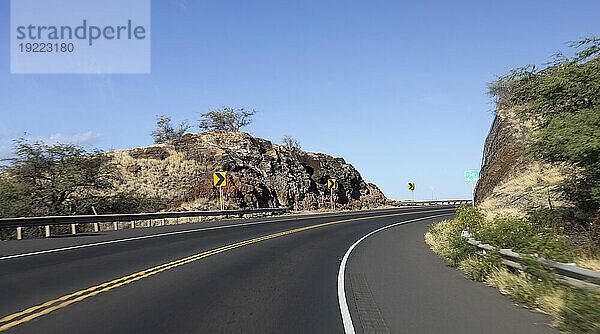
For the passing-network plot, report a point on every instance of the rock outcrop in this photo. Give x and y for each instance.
(259, 174)
(510, 181)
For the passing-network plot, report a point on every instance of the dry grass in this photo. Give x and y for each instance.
(436, 238)
(491, 209)
(475, 268)
(528, 189)
(572, 309)
(158, 177)
(553, 302)
(588, 262)
(519, 286)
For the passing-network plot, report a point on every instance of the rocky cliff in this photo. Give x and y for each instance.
(259, 174)
(510, 181)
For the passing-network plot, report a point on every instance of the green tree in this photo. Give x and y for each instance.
(49, 178)
(574, 138)
(165, 132)
(14, 198)
(63, 179)
(563, 101)
(226, 119)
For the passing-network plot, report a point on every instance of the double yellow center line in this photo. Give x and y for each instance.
(33, 312)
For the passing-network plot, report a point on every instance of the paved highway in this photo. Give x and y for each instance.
(271, 275)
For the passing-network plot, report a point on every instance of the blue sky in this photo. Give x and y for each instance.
(397, 88)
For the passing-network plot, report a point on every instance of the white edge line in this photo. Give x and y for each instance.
(124, 240)
(8, 257)
(344, 309)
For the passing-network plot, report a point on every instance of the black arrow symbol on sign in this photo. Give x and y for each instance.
(221, 179)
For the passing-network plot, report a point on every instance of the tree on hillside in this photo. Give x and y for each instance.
(165, 132)
(226, 119)
(290, 142)
(574, 138)
(563, 101)
(44, 179)
(14, 198)
(64, 179)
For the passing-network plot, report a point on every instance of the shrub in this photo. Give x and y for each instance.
(165, 132)
(573, 309)
(444, 238)
(563, 101)
(478, 266)
(468, 217)
(290, 142)
(64, 179)
(522, 287)
(47, 179)
(226, 119)
(581, 312)
(524, 236)
(546, 219)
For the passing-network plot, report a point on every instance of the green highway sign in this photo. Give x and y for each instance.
(471, 175)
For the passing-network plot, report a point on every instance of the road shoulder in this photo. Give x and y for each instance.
(415, 291)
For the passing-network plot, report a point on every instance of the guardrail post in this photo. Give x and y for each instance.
(124, 219)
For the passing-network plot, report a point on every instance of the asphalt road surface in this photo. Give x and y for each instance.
(269, 275)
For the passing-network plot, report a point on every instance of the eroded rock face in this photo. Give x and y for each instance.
(510, 181)
(502, 153)
(259, 174)
(154, 152)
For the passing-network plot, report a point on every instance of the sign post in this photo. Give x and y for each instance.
(411, 187)
(332, 184)
(472, 175)
(220, 180)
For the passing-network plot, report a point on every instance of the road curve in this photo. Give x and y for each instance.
(276, 275)
(396, 284)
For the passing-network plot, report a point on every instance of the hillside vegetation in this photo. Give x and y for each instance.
(64, 179)
(563, 104)
(539, 191)
(573, 309)
(543, 151)
(260, 174)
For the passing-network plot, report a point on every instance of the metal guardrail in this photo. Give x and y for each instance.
(115, 218)
(438, 202)
(567, 273)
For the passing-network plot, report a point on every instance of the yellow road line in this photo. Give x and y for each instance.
(95, 290)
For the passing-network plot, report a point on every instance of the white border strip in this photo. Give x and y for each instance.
(317, 216)
(344, 310)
